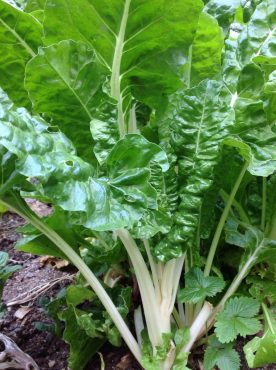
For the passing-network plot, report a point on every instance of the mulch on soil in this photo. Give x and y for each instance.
(45, 348)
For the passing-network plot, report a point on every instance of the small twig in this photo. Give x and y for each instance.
(34, 293)
(13, 357)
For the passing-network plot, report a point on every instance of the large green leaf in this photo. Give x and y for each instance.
(252, 134)
(20, 36)
(257, 40)
(65, 83)
(105, 203)
(134, 39)
(200, 119)
(205, 52)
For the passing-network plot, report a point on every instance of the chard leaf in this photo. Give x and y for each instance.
(257, 40)
(237, 318)
(34, 5)
(261, 351)
(67, 77)
(36, 243)
(200, 118)
(221, 355)
(129, 38)
(105, 203)
(205, 53)
(262, 289)
(257, 248)
(252, 134)
(198, 286)
(270, 85)
(222, 10)
(20, 37)
(82, 347)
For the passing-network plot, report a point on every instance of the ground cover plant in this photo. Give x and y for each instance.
(150, 128)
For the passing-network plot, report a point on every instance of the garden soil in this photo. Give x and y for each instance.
(23, 321)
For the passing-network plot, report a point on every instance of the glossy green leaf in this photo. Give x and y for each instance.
(237, 318)
(67, 77)
(200, 118)
(257, 40)
(129, 38)
(205, 53)
(68, 181)
(20, 37)
(270, 86)
(223, 10)
(253, 135)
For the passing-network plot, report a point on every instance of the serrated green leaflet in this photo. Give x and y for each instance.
(221, 355)
(237, 319)
(198, 287)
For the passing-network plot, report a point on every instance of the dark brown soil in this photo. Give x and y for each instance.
(47, 350)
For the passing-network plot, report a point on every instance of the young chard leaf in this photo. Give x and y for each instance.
(237, 318)
(261, 351)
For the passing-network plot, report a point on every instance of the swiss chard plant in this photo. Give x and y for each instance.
(150, 128)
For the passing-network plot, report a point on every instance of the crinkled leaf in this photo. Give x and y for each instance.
(223, 10)
(67, 180)
(82, 347)
(237, 318)
(257, 40)
(270, 85)
(198, 286)
(221, 355)
(20, 37)
(200, 118)
(261, 351)
(253, 135)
